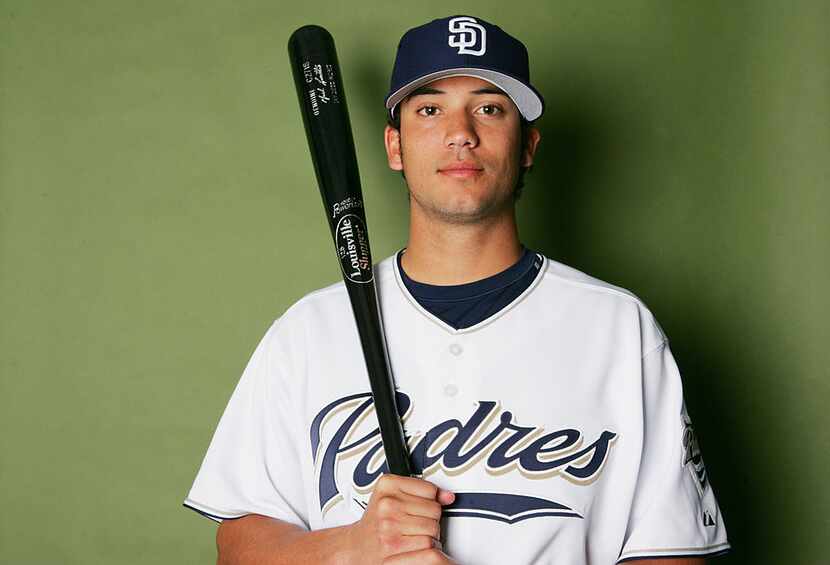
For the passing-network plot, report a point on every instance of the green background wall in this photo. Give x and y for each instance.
(158, 210)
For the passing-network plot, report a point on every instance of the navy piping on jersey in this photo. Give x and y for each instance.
(464, 305)
(214, 517)
(678, 555)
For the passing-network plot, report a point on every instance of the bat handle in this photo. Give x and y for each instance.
(365, 308)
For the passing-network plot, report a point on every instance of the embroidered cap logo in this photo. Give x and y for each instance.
(465, 34)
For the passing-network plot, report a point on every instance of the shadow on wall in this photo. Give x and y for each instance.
(368, 91)
(582, 147)
(576, 142)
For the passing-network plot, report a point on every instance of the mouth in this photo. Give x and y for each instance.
(461, 170)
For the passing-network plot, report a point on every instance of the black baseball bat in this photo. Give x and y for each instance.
(328, 130)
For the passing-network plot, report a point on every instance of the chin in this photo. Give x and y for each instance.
(463, 203)
(468, 212)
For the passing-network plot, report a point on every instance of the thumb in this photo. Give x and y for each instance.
(445, 496)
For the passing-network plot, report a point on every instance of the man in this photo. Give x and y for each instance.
(543, 407)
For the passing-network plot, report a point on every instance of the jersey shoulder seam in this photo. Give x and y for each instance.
(583, 280)
(592, 283)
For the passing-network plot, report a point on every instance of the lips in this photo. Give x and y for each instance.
(460, 170)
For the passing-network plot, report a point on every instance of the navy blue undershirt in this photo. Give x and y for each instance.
(465, 305)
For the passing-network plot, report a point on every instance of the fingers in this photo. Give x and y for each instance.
(417, 526)
(403, 517)
(432, 556)
(416, 506)
(445, 497)
(395, 544)
(393, 484)
(417, 487)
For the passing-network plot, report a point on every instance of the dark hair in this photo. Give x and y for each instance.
(394, 121)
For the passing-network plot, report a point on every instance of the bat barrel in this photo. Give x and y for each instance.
(323, 105)
(325, 114)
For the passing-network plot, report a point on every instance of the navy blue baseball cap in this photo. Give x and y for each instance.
(464, 46)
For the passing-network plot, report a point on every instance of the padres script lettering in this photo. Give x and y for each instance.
(488, 437)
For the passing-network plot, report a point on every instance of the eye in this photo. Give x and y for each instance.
(490, 109)
(427, 110)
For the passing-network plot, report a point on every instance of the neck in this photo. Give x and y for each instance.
(442, 253)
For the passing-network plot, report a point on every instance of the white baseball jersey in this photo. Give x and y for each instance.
(559, 423)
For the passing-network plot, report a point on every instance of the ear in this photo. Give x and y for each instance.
(392, 140)
(532, 138)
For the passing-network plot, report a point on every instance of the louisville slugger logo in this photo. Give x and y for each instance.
(353, 248)
(488, 437)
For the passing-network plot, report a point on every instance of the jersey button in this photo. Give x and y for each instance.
(456, 349)
(450, 390)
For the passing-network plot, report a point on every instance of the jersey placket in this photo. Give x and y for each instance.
(460, 381)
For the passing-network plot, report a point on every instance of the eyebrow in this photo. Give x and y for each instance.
(490, 90)
(426, 90)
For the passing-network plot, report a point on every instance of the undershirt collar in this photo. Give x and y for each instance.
(470, 290)
(465, 305)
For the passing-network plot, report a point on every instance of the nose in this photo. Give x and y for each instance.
(461, 132)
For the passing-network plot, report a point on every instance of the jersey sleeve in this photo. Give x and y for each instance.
(674, 512)
(252, 465)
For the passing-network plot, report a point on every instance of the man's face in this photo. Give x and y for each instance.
(460, 148)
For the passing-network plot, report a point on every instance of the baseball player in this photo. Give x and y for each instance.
(543, 408)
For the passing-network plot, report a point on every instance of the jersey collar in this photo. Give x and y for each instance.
(465, 291)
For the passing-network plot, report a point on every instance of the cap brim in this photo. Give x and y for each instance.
(528, 102)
